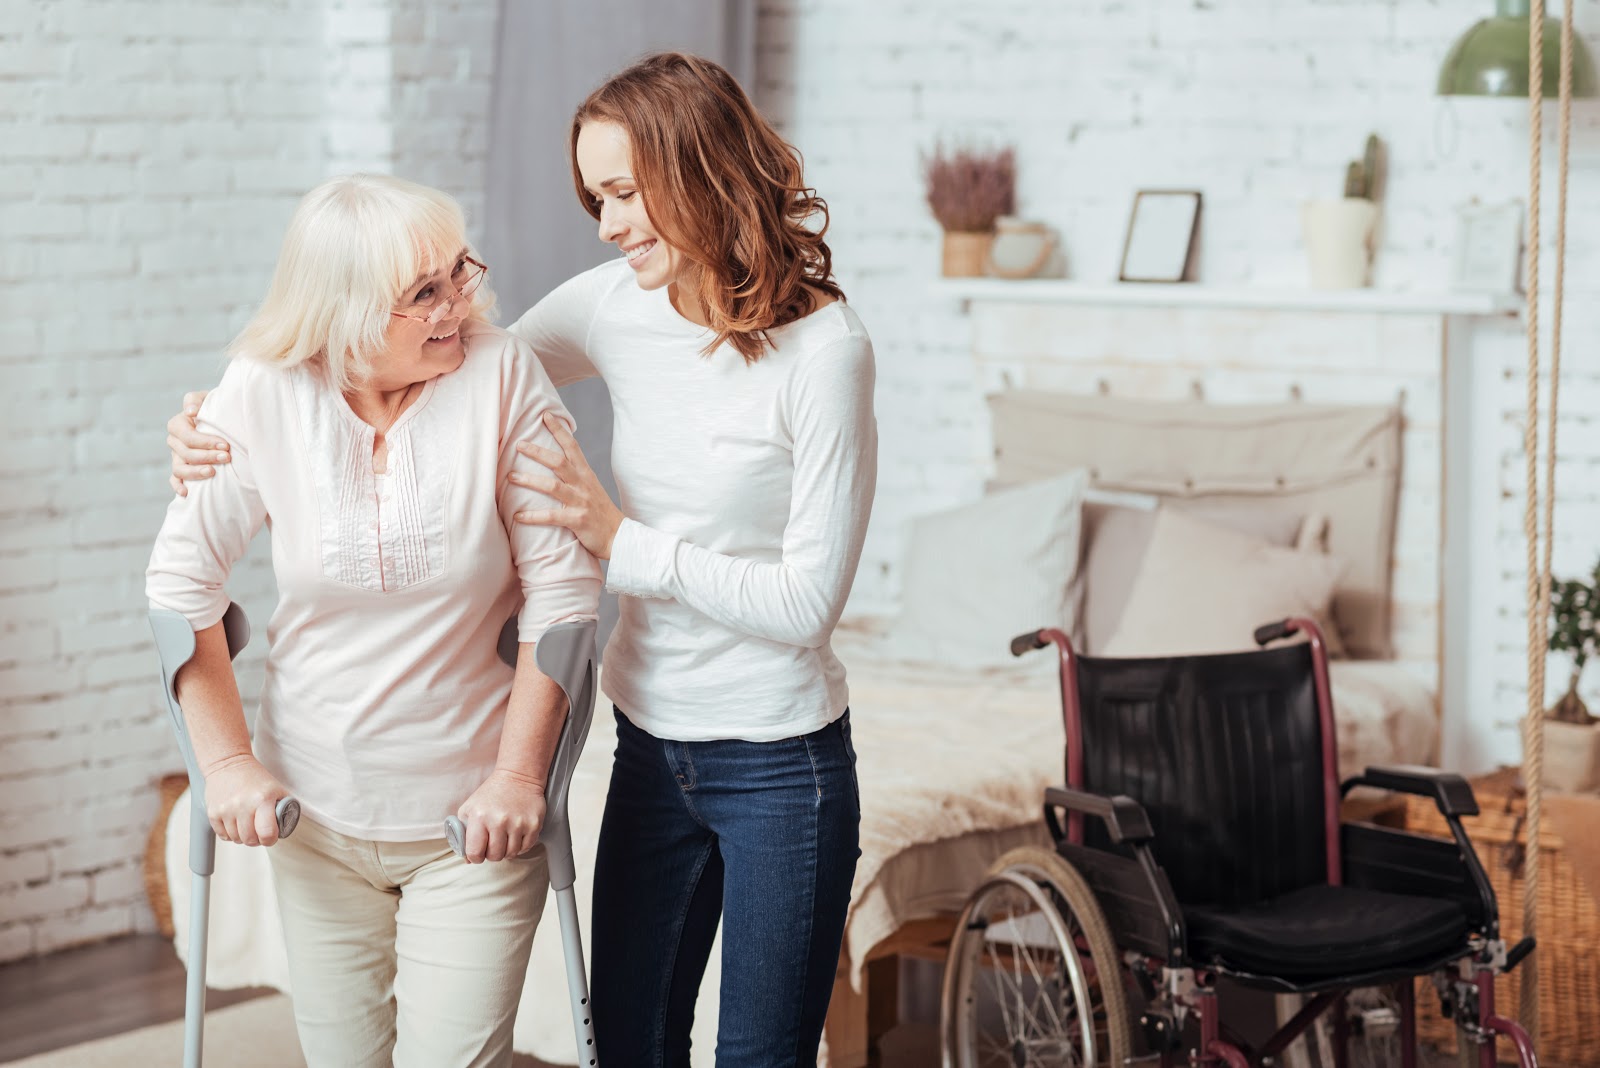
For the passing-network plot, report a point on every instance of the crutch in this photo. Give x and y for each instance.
(566, 654)
(175, 645)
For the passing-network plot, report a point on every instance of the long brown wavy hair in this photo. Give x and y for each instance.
(722, 188)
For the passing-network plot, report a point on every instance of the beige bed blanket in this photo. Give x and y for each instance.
(952, 769)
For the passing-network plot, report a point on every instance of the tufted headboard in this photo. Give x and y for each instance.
(1343, 462)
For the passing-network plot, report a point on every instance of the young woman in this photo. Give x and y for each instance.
(372, 414)
(744, 453)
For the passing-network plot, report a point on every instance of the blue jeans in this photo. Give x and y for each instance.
(764, 835)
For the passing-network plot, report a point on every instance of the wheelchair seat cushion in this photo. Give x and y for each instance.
(1325, 931)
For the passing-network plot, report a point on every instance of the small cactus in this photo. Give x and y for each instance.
(1361, 177)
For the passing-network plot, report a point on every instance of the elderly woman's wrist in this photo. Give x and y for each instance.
(522, 778)
(229, 762)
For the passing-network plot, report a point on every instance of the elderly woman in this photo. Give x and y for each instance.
(372, 415)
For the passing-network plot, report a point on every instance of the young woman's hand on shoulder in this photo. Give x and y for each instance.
(194, 455)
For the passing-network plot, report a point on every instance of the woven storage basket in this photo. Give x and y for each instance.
(1569, 927)
(155, 853)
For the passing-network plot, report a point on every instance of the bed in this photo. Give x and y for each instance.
(953, 760)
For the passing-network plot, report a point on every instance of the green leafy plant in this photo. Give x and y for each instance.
(969, 188)
(1575, 629)
(1362, 176)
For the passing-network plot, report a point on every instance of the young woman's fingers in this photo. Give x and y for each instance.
(193, 400)
(540, 455)
(190, 472)
(177, 485)
(183, 429)
(207, 452)
(543, 517)
(549, 485)
(570, 449)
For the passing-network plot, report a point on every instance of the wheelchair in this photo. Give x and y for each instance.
(1197, 839)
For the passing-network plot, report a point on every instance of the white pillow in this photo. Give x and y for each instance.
(977, 576)
(1203, 588)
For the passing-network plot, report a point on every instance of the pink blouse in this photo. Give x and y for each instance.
(384, 696)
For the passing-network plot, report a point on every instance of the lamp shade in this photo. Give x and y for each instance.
(1491, 59)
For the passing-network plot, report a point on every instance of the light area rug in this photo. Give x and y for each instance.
(258, 1033)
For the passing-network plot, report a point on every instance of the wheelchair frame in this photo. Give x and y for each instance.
(1148, 924)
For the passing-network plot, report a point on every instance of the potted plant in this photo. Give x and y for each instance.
(1341, 233)
(1572, 741)
(968, 190)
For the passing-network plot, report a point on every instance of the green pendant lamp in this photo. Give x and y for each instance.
(1491, 59)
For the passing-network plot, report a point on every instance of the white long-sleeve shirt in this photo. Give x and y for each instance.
(384, 696)
(747, 490)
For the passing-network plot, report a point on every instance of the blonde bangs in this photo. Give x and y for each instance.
(355, 245)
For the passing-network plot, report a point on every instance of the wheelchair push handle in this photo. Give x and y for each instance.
(1268, 633)
(1027, 643)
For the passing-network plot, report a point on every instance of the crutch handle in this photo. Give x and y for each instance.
(288, 811)
(455, 832)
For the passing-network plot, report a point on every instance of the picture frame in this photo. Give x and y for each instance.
(1489, 248)
(1163, 228)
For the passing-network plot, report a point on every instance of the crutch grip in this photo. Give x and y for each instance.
(288, 811)
(455, 832)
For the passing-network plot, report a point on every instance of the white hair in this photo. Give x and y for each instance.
(355, 245)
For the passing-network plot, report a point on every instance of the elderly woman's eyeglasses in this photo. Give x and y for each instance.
(434, 301)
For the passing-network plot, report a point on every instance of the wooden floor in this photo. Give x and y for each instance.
(104, 989)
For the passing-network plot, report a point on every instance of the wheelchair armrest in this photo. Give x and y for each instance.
(1124, 817)
(1449, 791)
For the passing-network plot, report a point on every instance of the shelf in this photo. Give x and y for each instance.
(1193, 295)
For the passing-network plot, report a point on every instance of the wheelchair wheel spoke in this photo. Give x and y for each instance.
(1002, 998)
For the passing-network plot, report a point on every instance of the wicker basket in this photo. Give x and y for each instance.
(1569, 927)
(155, 853)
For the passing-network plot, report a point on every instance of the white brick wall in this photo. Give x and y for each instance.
(150, 155)
(1259, 103)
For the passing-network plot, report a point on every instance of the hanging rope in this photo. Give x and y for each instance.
(1539, 565)
(1532, 720)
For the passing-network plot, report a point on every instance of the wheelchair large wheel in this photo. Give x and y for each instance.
(1032, 979)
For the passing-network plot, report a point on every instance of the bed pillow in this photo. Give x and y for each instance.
(1203, 588)
(1116, 532)
(977, 576)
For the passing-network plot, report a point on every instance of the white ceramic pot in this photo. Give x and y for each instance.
(1023, 249)
(1340, 235)
(1571, 756)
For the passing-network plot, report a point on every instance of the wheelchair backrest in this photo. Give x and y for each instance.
(1225, 754)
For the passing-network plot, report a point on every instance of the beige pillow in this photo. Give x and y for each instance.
(1116, 531)
(1204, 589)
(977, 576)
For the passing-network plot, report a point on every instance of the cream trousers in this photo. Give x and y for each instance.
(401, 952)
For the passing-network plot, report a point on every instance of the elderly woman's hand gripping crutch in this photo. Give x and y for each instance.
(566, 654)
(248, 805)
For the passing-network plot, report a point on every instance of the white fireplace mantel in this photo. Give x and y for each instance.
(1195, 295)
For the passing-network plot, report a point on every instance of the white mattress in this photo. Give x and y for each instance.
(952, 768)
